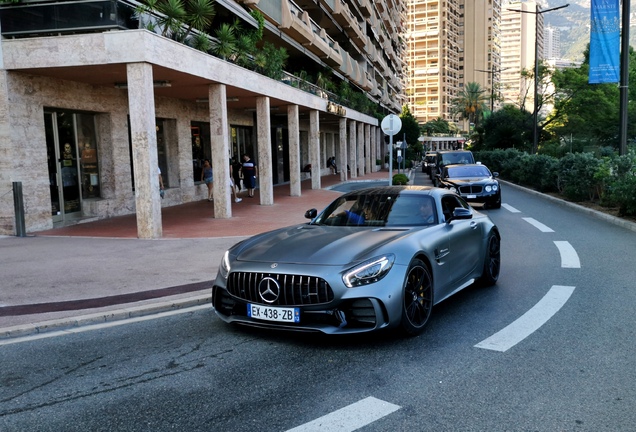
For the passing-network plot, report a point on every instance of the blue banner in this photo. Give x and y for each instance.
(605, 34)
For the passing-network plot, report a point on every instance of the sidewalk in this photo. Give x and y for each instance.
(100, 271)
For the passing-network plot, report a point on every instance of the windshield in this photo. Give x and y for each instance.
(468, 171)
(380, 209)
(457, 158)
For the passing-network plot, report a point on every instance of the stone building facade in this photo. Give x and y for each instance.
(87, 121)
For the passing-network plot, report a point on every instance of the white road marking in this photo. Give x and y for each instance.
(529, 322)
(569, 257)
(538, 225)
(101, 326)
(510, 208)
(351, 417)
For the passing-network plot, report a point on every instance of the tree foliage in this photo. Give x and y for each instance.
(470, 104)
(410, 130)
(438, 126)
(507, 128)
(590, 112)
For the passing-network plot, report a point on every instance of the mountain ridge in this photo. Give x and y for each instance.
(574, 25)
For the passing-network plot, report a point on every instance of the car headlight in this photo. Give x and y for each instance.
(224, 268)
(452, 189)
(369, 271)
(491, 188)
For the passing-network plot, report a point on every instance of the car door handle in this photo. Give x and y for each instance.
(473, 224)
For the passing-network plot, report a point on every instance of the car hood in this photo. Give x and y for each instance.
(317, 245)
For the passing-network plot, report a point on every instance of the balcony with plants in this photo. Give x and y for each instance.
(195, 24)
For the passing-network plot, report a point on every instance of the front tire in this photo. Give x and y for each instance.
(417, 300)
(492, 262)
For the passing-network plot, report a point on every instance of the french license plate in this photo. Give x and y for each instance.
(271, 313)
(471, 196)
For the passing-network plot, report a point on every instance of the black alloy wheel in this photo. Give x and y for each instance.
(492, 263)
(418, 298)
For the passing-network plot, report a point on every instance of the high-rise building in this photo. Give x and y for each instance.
(551, 43)
(518, 40)
(106, 96)
(482, 46)
(450, 43)
(434, 47)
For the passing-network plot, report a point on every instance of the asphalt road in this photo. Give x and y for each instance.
(572, 372)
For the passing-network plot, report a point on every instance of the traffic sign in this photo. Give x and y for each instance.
(391, 124)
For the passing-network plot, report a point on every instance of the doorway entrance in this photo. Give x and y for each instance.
(72, 162)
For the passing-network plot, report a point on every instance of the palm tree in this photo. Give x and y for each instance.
(470, 104)
(225, 46)
(177, 18)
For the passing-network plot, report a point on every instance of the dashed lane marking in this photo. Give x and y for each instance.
(538, 225)
(510, 208)
(351, 417)
(529, 322)
(569, 257)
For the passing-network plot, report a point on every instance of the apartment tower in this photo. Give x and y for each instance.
(518, 40)
(482, 46)
(434, 49)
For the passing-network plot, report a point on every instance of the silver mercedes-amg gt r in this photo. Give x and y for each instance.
(374, 258)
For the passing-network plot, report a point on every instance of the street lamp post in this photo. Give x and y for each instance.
(492, 72)
(535, 114)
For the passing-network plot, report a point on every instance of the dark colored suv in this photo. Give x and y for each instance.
(449, 157)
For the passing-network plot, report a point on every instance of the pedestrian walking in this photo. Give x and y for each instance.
(232, 185)
(235, 165)
(207, 177)
(250, 172)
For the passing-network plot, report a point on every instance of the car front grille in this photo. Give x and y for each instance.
(288, 290)
(472, 189)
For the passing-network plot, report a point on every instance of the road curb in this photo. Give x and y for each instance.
(103, 317)
(600, 215)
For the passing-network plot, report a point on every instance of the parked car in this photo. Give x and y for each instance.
(448, 157)
(429, 160)
(375, 258)
(473, 182)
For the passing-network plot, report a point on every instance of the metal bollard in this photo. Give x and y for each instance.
(18, 205)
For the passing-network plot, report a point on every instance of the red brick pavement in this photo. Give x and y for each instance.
(196, 219)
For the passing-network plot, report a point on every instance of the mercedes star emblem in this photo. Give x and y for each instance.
(269, 290)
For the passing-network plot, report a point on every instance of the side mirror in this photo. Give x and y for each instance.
(461, 213)
(495, 174)
(310, 214)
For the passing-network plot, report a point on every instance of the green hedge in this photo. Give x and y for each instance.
(400, 179)
(577, 176)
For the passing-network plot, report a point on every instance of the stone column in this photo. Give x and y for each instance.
(7, 173)
(373, 137)
(360, 149)
(379, 146)
(353, 159)
(294, 150)
(220, 142)
(141, 102)
(264, 144)
(367, 148)
(342, 154)
(314, 149)
(330, 147)
(184, 143)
